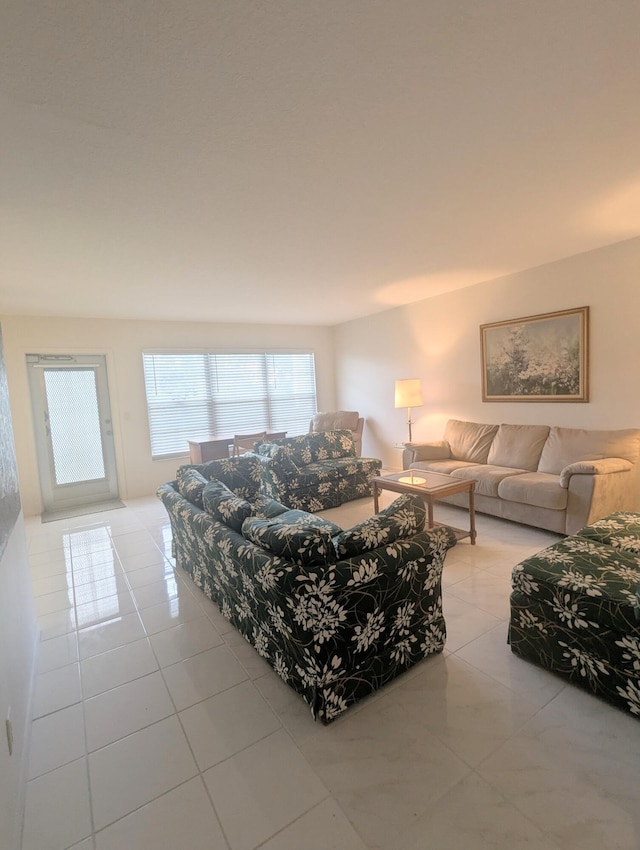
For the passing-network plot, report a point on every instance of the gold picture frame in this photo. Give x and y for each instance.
(537, 358)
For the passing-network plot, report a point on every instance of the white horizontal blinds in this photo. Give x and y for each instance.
(178, 401)
(292, 391)
(192, 396)
(240, 393)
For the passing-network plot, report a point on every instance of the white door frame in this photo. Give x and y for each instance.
(74, 493)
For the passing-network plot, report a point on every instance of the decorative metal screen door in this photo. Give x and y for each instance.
(74, 437)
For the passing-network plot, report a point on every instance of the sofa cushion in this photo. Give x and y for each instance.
(267, 508)
(240, 474)
(569, 445)
(487, 477)
(191, 484)
(294, 449)
(281, 458)
(403, 518)
(299, 537)
(534, 488)
(330, 445)
(224, 505)
(518, 446)
(469, 441)
(335, 420)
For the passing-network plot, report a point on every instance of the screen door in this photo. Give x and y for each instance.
(74, 435)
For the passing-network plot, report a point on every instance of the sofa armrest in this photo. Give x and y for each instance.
(604, 466)
(415, 452)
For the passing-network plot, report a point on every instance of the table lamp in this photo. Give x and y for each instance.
(409, 394)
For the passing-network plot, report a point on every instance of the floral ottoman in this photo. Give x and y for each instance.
(575, 609)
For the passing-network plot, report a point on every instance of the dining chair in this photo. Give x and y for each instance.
(243, 443)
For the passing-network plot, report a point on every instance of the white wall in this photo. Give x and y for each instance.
(123, 343)
(18, 637)
(438, 340)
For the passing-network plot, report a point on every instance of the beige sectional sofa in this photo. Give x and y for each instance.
(556, 478)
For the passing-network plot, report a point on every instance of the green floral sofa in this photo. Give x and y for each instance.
(575, 609)
(317, 471)
(336, 613)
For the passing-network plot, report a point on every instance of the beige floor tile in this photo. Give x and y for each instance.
(123, 710)
(118, 632)
(56, 689)
(325, 827)
(166, 615)
(137, 769)
(183, 817)
(61, 582)
(57, 652)
(269, 779)
(116, 667)
(57, 813)
(183, 641)
(383, 767)
(169, 588)
(202, 676)
(473, 816)
(56, 739)
(223, 725)
(104, 610)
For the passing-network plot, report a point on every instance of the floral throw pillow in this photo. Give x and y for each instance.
(295, 535)
(191, 484)
(403, 518)
(225, 506)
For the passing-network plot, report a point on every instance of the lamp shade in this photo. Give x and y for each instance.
(409, 393)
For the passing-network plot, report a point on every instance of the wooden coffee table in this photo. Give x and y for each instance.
(430, 486)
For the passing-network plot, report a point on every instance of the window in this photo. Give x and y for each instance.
(195, 395)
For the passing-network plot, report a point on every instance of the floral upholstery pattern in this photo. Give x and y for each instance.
(317, 471)
(224, 505)
(240, 474)
(191, 484)
(620, 530)
(404, 516)
(298, 536)
(334, 632)
(574, 609)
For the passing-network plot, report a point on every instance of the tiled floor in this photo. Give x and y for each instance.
(157, 726)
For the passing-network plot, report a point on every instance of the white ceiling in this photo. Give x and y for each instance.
(306, 162)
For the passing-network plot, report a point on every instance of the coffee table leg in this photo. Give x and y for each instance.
(375, 498)
(472, 516)
(430, 513)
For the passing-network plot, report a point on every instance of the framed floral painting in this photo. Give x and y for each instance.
(537, 358)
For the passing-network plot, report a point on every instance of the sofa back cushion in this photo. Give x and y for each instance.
(311, 448)
(280, 457)
(570, 445)
(224, 506)
(191, 484)
(336, 420)
(240, 474)
(297, 536)
(469, 441)
(518, 446)
(403, 518)
(294, 449)
(326, 445)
